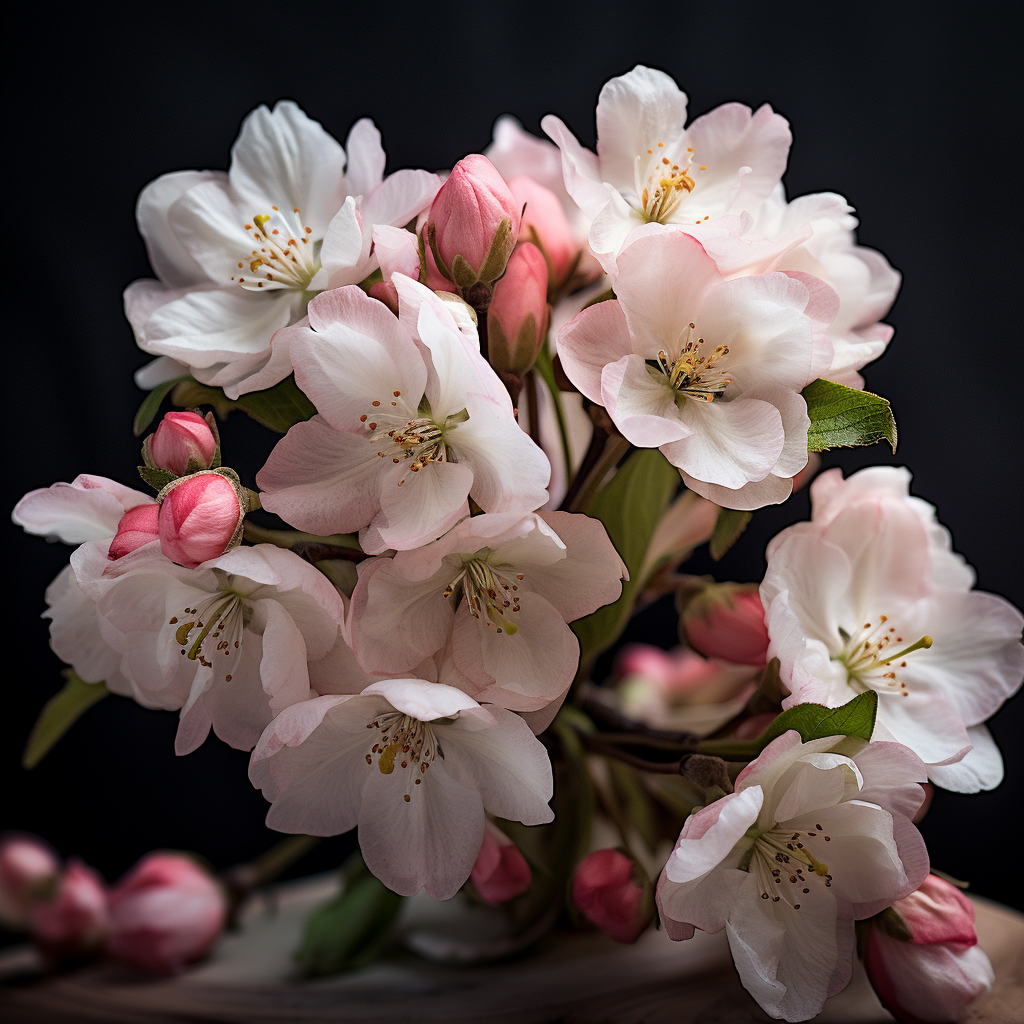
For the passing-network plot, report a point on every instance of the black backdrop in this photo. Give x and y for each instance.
(910, 115)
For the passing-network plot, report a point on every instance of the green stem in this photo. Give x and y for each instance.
(546, 370)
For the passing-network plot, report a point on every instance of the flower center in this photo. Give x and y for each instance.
(214, 626)
(869, 663)
(421, 440)
(406, 740)
(779, 860)
(492, 592)
(692, 372)
(285, 256)
(662, 185)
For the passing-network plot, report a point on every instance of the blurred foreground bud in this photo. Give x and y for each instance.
(517, 319)
(922, 955)
(29, 872)
(726, 620)
(201, 516)
(614, 893)
(473, 226)
(500, 871)
(73, 924)
(183, 443)
(164, 914)
(138, 526)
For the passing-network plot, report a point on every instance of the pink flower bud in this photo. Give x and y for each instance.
(517, 319)
(73, 924)
(183, 443)
(545, 224)
(500, 871)
(165, 913)
(727, 622)
(28, 873)
(473, 216)
(200, 518)
(922, 955)
(138, 526)
(613, 892)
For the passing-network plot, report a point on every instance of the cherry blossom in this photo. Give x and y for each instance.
(496, 592)
(415, 765)
(648, 169)
(709, 371)
(870, 595)
(238, 254)
(810, 841)
(411, 421)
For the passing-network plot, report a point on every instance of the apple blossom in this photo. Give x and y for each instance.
(922, 955)
(613, 892)
(810, 841)
(28, 873)
(517, 318)
(500, 872)
(238, 254)
(200, 517)
(183, 443)
(138, 526)
(73, 923)
(411, 421)
(497, 591)
(228, 643)
(473, 224)
(164, 914)
(415, 765)
(709, 371)
(870, 595)
(648, 169)
(727, 621)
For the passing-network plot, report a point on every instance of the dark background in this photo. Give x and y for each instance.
(913, 117)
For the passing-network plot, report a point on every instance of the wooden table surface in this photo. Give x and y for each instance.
(578, 978)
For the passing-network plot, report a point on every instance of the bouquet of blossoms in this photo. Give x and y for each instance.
(512, 400)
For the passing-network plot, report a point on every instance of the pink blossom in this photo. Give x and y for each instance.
(183, 443)
(500, 872)
(922, 955)
(164, 914)
(137, 526)
(28, 873)
(73, 924)
(611, 892)
(468, 219)
(728, 623)
(517, 318)
(200, 518)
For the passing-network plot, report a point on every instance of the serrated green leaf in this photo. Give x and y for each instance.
(278, 408)
(843, 417)
(352, 929)
(729, 525)
(59, 713)
(151, 405)
(815, 721)
(630, 506)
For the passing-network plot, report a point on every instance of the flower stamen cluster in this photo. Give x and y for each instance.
(291, 264)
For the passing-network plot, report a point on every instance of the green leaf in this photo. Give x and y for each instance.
(729, 525)
(151, 405)
(278, 408)
(630, 506)
(157, 478)
(815, 721)
(352, 929)
(59, 713)
(842, 417)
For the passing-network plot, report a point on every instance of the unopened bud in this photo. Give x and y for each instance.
(614, 893)
(473, 224)
(71, 926)
(545, 224)
(517, 319)
(165, 913)
(500, 871)
(28, 873)
(183, 443)
(201, 517)
(138, 526)
(726, 621)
